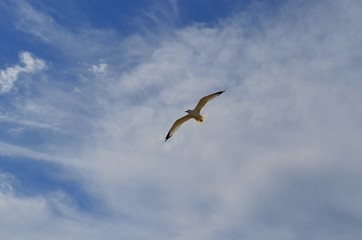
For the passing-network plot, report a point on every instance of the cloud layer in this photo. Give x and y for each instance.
(278, 157)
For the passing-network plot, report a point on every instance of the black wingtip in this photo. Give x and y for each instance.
(167, 137)
(220, 92)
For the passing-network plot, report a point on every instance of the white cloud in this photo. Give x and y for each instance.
(263, 163)
(98, 69)
(9, 75)
(39, 211)
(278, 156)
(31, 64)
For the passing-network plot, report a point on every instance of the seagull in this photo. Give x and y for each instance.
(195, 113)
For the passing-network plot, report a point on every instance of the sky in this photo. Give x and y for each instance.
(90, 88)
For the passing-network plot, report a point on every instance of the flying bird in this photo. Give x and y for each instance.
(195, 113)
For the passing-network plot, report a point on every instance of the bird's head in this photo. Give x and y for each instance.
(188, 111)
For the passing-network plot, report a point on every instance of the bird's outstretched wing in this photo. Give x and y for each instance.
(205, 99)
(176, 125)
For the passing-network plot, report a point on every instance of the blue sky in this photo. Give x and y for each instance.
(89, 89)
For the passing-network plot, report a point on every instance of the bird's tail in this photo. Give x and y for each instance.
(203, 118)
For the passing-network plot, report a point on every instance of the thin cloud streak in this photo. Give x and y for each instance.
(14, 150)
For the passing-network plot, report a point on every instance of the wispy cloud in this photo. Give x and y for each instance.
(278, 156)
(9, 75)
(6, 183)
(98, 69)
(174, 5)
(28, 123)
(281, 116)
(7, 149)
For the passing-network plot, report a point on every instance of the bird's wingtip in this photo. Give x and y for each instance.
(167, 137)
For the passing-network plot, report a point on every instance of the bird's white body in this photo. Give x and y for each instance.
(195, 115)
